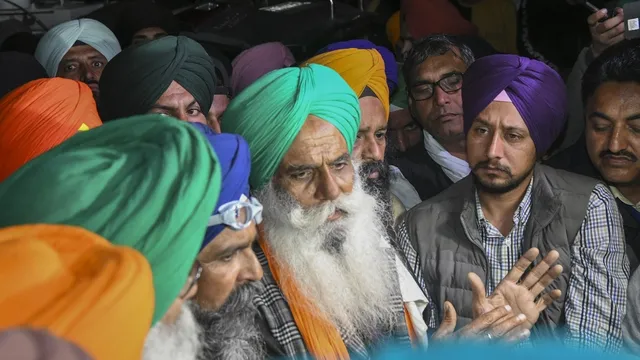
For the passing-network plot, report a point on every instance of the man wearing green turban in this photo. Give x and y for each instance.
(172, 76)
(148, 182)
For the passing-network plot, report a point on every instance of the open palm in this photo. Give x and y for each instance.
(518, 292)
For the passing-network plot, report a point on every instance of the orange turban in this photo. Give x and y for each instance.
(78, 286)
(360, 68)
(40, 115)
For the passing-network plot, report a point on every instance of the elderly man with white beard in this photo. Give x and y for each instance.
(333, 287)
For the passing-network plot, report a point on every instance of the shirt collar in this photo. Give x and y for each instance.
(623, 198)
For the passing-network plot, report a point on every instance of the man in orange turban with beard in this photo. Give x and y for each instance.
(78, 286)
(40, 115)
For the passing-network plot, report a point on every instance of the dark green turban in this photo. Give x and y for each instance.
(270, 113)
(149, 182)
(136, 78)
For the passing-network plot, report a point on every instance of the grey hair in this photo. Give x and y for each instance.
(434, 45)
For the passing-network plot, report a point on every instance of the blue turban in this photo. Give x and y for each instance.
(390, 65)
(536, 90)
(235, 161)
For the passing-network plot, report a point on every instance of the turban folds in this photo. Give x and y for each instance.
(78, 286)
(270, 113)
(148, 182)
(29, 344)
(360, 69)
(138, 76)
(390, 65)
(235, 163)
(253, 63)
(55, 44)
(17, 69)
(40, 115)
(536, 91)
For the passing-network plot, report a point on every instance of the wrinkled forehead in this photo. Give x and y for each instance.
(82, 50)
(434, 68)
(318, 142)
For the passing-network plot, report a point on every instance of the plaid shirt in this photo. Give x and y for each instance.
(274, 310)
(596, 299)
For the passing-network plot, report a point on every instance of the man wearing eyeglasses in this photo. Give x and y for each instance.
(433, 71)
(228, 266)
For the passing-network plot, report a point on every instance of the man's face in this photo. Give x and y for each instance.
(228, 262)
(500, 150)
(317, 168)
(83, 63)
(613, 132)
(403, 132)
(440, 114)
(180, 104)
(147, 34)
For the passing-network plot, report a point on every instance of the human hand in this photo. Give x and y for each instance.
(520, 294)
(500, 322)
(607, 32)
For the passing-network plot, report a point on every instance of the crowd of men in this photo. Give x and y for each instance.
(161, 202)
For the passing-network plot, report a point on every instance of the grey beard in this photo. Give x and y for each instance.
(231, 332)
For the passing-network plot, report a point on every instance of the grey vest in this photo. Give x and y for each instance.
(444, 232)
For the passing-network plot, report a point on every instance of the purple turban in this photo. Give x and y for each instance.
(390, 65)
(252, 63)
(536, 90)
(235, 162)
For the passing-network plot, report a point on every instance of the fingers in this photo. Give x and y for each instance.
(479, 294)
(517, 334)
(546, 280)
(522, 265)
(548, 299)
(506, 325)
(540, 270)
(483, 322)
(449, 322)
(594, 18)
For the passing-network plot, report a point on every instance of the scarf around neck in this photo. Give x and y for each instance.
(456, 169)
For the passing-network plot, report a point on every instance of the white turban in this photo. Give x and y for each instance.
(55, 44)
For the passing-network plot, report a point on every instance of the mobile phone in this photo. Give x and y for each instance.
(610, 12)
(631, 20)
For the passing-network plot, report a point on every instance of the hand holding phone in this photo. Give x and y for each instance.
(605, 31)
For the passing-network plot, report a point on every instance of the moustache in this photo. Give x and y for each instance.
(487, 165)
(622, 153)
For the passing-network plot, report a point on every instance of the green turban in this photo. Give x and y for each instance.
(149, 182)
(136, 78)
(270, 113)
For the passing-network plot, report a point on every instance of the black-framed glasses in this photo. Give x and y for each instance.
(195, 277)
(450, 83)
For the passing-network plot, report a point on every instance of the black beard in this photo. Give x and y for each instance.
(501, 189)
(231, 332)
(380, 189)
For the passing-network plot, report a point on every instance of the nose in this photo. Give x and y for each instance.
(327, 189)
(441, 97)
(372, 149)
(618, 140)
(496, 147)
(253, 270)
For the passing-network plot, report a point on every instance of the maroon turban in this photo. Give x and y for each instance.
(536, 90)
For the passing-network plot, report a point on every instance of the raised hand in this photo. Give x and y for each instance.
(518, 293)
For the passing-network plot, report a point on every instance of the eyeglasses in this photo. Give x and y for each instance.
(196, 272)
(238, 214)
(449, 83)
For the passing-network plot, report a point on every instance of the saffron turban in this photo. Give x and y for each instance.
(536, 91)
(270, 113)
(149, 182)
(138, 76)
(235, 163)
(253, 63)
(17, 69)
(55, 44)
(29, 344)
(360, 69)
(40, 115)
(78, 286)
(390, 65)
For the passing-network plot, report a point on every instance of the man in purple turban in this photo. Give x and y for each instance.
(390, 66)
(255, 62)
(514, 108)
(229, 267)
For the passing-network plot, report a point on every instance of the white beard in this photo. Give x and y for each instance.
(180, 341)
(340, 265)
